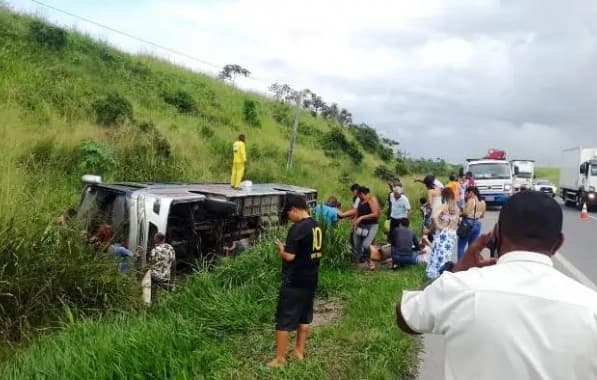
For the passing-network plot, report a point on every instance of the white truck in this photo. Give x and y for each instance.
(493, 178)
(524, 173)
(578, 176)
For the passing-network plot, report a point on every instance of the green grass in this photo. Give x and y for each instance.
(552, 174)
(219, 325)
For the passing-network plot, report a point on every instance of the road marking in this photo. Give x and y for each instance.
(593, 217)
(580, 276)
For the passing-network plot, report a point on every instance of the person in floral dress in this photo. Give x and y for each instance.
(445, 220)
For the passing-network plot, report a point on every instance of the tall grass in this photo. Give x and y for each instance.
(219, 325)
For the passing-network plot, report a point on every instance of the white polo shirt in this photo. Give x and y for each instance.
(519, 319)
(400, 207)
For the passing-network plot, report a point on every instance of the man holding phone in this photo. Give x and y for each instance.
(518, 319)
(300, 271)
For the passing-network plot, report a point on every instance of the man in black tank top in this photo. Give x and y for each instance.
(300, 271)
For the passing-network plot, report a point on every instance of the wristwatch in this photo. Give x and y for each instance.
(447, 267)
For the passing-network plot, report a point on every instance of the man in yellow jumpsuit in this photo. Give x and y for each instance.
(238, 162)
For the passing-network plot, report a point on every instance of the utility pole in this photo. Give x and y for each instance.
(299, 101)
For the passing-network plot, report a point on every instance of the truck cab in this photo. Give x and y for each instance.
(588, 183)
(198, 220)
(524, 173)
(578, 177)
(493, 178)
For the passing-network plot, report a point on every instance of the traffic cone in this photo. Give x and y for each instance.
(584, 214)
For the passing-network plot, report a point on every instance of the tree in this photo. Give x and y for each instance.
(317, 103)
(345, 117)
(276, 89)
(230, 72)
(290, 94)
(331, 112)
(307, 103)
(390, 142)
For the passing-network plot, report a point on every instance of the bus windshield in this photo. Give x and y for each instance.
(491, 170)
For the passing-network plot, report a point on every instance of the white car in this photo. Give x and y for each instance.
(545, 186)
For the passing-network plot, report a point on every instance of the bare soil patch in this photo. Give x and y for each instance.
(326, 311)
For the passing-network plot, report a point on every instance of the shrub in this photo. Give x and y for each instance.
(250, 113)
(138, 68)
(149, 157)
(95, 157)
(354, 153)
(308, 129)
(384, 173)
(159, 143)
(206, 132)
(334, 142)
(181, 100)
(385, 153)
(47, 35)
(366, 136)
(282, 114)
(113, 109)
(402, 168)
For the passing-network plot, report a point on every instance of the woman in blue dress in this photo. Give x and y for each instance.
(445, 221)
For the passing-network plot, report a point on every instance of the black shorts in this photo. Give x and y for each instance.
(295, 307)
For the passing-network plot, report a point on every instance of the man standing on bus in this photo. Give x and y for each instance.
(239, 159)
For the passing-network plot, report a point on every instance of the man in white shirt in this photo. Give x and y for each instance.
(518, 319)
(398, 209)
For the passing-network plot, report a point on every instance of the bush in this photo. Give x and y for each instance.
(402, 168)
(181, 100)
(366, 136)
(250, 113)
(384, 173)
(47, 35)
(206, 132)
(385, 153)
(95, 158)
(334, 141)
(149, 157)
(113, 109)
(354, 153)
(282, 114)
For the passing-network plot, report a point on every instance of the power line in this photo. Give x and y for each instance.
(165, 48)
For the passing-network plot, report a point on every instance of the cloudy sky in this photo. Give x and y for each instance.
(447, 78)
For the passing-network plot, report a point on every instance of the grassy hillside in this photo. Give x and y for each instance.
(49, 94)
(70, 105)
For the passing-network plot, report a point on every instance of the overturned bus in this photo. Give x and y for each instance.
(198, 219)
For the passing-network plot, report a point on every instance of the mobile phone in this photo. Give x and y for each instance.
(493, 245)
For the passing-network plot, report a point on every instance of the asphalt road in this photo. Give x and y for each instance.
(577, 259)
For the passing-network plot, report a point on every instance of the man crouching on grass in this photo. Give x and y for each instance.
(300, 269)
